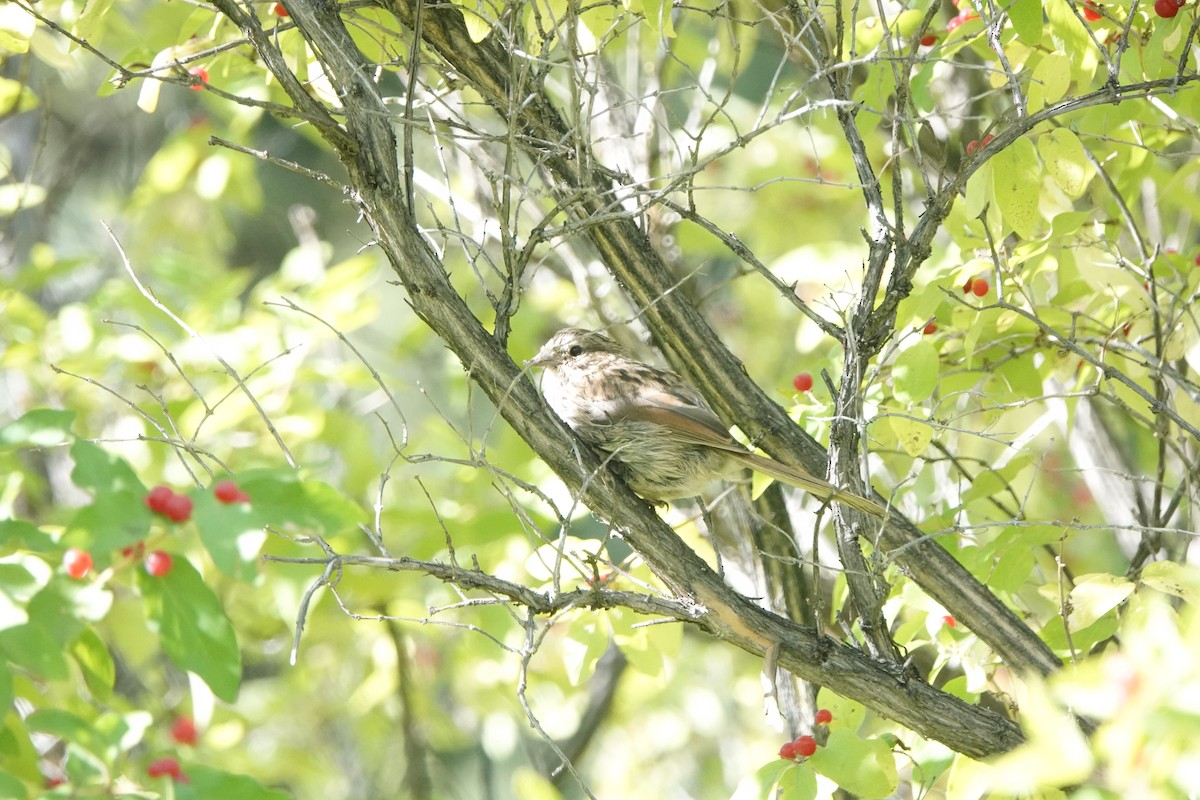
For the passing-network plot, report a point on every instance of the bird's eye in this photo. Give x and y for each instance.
(574, 350)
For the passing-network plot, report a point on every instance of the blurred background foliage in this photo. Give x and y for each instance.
(971, 422)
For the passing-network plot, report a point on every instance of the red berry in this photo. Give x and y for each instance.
(164, 767)
(159, 563)
(949, 621)
(1090, 12)
(226, 491)
(824, 716)
(928, 40)
(1167, 8)
(178, 508)
(805, 745)
(77, 562)
(980, 287)
(1198, 261)
(930, 327)
(803, 382)
(788, 751)
(158, 497)
(967, 285)
(183, 730)
(985, 140)
(1126, 328)
(972, 146)
(279, 10)
(201, 74)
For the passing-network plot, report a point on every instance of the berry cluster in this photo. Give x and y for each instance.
(176, 507)
(975, 144)
(183, 731)
(227, 492)
(805, 745)
(167, 768)
(976, 286)
(166, 502)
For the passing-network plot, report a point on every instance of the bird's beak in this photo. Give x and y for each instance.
(543, 357)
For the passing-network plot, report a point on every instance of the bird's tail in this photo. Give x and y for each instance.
(801, 479)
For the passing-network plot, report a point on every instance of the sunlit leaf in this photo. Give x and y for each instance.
(1016, 175)
(193, 627)
(864, 767)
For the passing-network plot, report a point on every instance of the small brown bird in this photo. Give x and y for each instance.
(665, 440)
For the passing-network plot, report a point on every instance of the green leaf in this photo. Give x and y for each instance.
(914, 435)
(915, 373)
(90, 24)
(1173, 578)
(95, 662)
(6, 685)
(10, 787)
(16, 751)
(67, 726)
(16, 534)
(65, 605)
(114, 520)
(1026, 17)
(657, 14)
(865, 767)
(1066, 161)
(585, 642)
(796, 782)
(16, 28)
(1095, 595)
(782, 775)
(1016, 182)
(480, 17)
(1051, 77)
(31, 647)
(41, 427)
(282, 498)
(232, 533)
(98, 469)
(21, 578)
(196, 634)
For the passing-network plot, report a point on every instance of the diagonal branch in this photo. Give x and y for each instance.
(711, 604)
(691, 342)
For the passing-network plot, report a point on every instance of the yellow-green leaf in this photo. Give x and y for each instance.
(1173, 578)
(1051, 77)
(914, 436)
(1016, 181)
(915, 373)
(1095, 595)
(864, 767)
(1066, 161)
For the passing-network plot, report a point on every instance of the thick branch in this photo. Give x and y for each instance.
(693, 345)
(717, 608)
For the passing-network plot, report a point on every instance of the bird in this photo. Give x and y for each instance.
(665, 440)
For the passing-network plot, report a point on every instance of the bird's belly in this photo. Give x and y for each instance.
(654, 463)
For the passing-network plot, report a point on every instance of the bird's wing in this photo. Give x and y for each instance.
(692, 423)
(696, 424)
